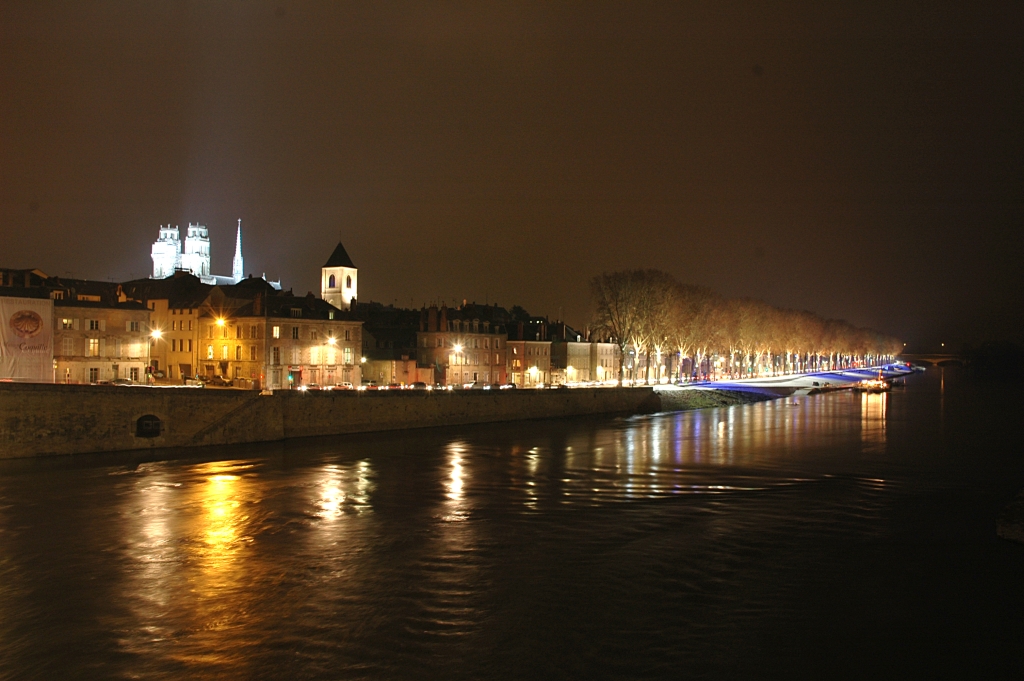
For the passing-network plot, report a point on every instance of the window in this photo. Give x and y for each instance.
(67, 323)
(238, 331)
(348, 282)
(190, 342)
(190, 321)
(209, 352)
(296, 356)
(275, 353)
(131, 326)
(57, 295)
(295, 333)
(331, 282)
(68, 347)
(348, 334)
(253, 330)
(223, 352)
(252, 353)
(224, 331)
(297, 313)
(312, 335)
(348, 355)
(133, 373)
(276, 332)
(211, 332)
(174, 345)
(94, 325)
(94, 347)
(438, 342)
(238, 352)
(94, 374)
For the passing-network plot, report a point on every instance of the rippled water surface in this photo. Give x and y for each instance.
(830, 536)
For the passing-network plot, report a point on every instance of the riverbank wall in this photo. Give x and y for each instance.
(46, 420)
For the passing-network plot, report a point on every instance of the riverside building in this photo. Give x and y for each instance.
(463, 345)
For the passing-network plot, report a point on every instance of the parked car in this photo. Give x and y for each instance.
(418, 385)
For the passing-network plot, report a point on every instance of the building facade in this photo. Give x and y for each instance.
(463, 345)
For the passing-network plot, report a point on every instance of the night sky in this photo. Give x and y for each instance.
(860, 160)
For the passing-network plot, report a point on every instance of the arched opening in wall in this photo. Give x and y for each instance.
(148, 426)
(348, 282)
(331, 282)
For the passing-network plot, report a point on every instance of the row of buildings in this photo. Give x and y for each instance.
(184, 324)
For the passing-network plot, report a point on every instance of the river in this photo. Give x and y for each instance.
(826, 536)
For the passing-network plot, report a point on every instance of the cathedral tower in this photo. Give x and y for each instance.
(237, 271)
(166, 252)
(196, 258)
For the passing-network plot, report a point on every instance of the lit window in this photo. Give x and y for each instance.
(276, 332)
(331, 283)
(94, 347)
(224, 352)
(209, 352)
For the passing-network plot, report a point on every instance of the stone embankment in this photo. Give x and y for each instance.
(42, 419)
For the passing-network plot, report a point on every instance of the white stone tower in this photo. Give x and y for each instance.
(237, 271)
(166, 252)
(196, 258)
(339, 279)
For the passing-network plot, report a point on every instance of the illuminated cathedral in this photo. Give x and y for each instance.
(168, 254)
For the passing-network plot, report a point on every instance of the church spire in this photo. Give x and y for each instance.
(237, 271)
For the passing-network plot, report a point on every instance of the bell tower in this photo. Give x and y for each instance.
(339, 279)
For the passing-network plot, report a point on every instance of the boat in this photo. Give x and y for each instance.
(873, 385)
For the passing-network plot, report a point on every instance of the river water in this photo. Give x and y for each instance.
(828, 536)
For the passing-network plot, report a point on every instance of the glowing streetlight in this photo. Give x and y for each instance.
(332, 340)
(156, 334)
(362, 360)
(457, 347)
(220, 321)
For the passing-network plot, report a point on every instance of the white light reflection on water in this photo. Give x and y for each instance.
(665, 454)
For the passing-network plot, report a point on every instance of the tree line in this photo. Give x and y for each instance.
(667, 329)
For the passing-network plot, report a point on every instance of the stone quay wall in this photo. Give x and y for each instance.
(44, 419)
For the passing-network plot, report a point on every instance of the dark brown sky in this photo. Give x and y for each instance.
(860, 160)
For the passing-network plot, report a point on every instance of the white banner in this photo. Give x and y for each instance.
(26, 339)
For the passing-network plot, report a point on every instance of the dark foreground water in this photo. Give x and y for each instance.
(833, 536)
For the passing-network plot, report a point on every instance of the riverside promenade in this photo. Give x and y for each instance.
(803, 383)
